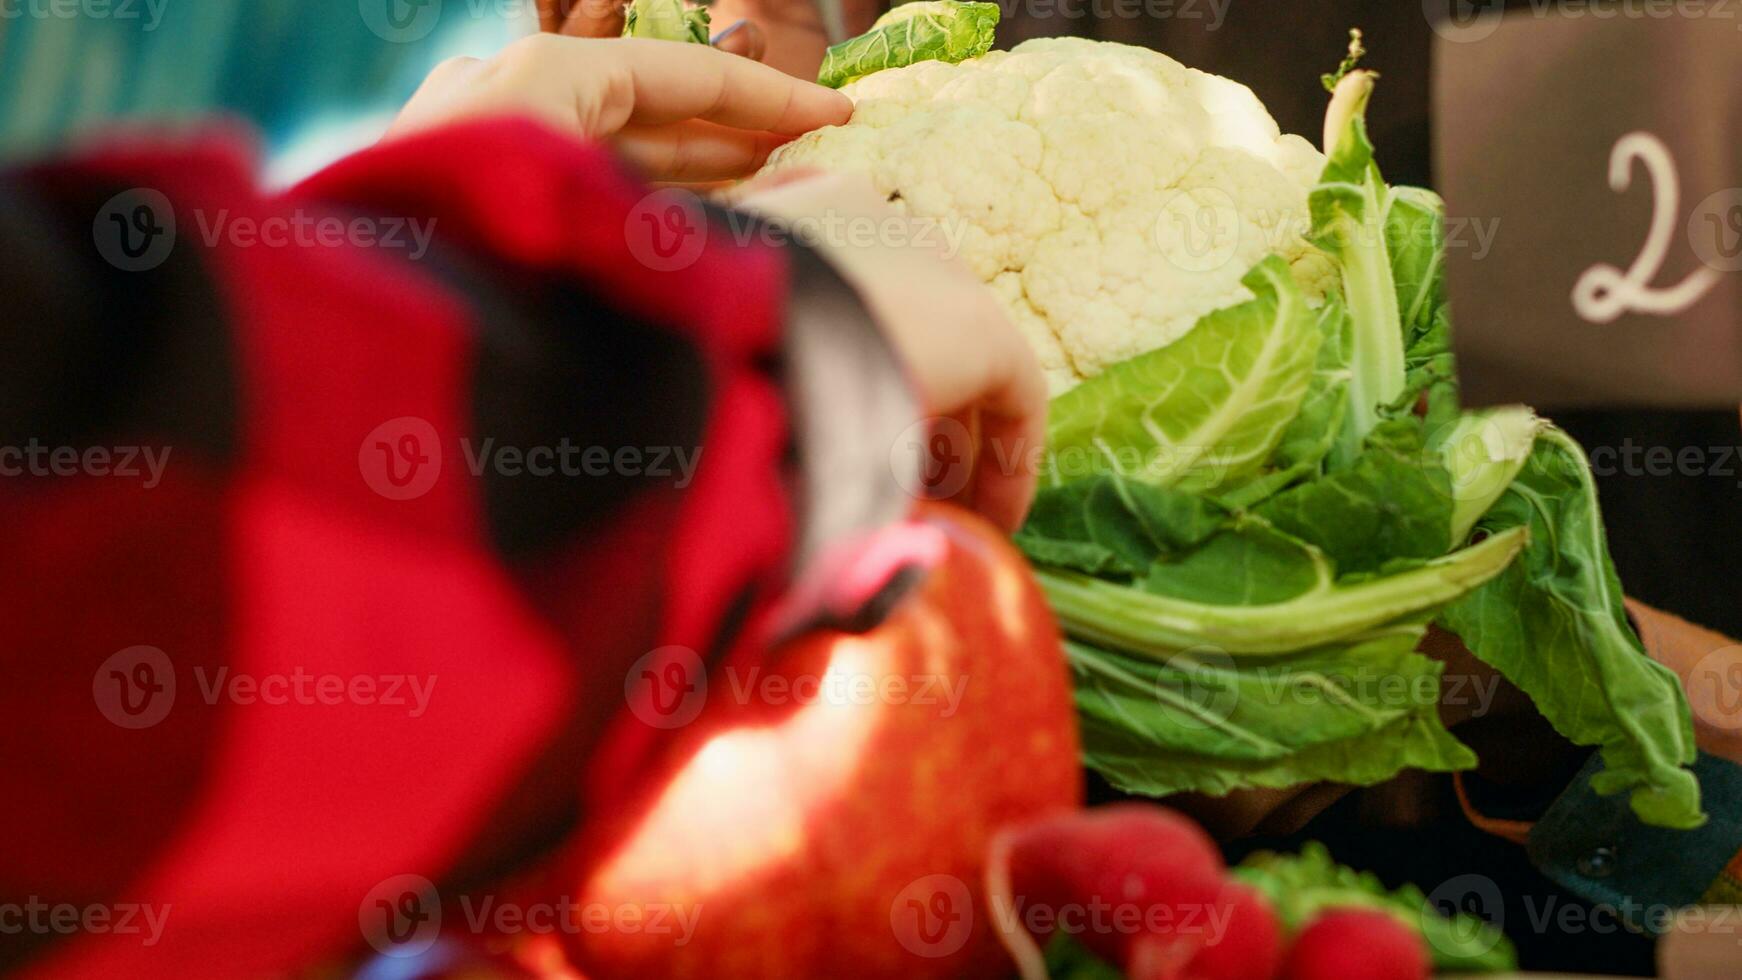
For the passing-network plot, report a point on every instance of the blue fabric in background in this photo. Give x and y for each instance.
(316, 78)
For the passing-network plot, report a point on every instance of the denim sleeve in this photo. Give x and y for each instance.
(310, 76)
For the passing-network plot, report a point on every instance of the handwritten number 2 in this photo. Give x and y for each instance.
(1603, 293)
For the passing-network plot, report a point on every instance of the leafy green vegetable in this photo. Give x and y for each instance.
(1112, 526)
(1301, 887)
(1415, 242)
(1146, 623)
(1203, 721)
(1309, 438)
(927, 30)
(1357, 51)
(1066, 959)
(1483, 452)
(666, 20)
(1283, 496)
(1555, 626)
(1431, 375)
(1349, 220)
(1394, 501)
(1249, 564)
(1205, 410)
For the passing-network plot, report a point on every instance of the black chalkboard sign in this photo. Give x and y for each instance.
(1600, 147)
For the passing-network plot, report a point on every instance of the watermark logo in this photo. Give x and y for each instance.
(1474, 455)
(1464, 21)
(134, 231)
(401, 916)
(1715, 230)
(667, 230)
(1196, 686)
(1715, 688)
(667, 687)
(932, 458)
(933, 916)
(1198, 230)
(135, 688)
(400, 21)
(1473, 895)
(401, 458)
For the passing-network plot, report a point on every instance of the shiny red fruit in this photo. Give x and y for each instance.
(846, 835)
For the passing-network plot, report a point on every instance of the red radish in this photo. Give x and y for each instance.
(1245, 942)
(1117, 879)
(1356, 944)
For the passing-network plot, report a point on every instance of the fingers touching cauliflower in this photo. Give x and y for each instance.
(1110, 195)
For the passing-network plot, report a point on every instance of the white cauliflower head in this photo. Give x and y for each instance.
(1110, 195)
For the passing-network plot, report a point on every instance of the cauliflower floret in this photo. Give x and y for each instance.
(1054, 362)
(1110, 195)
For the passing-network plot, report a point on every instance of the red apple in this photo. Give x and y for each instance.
(830, 815)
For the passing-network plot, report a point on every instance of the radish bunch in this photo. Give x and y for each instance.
(1146, 889)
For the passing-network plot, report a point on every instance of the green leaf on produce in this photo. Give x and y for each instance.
(1431, 374)
(666, 20)
(1112, 526)
(1349, 210)
(1357, 51)
(1554, 624)
(1482, 453)
(926, 30)
(1139, 621)
(1308, 440)
(1203, 721)
(1300, 887)
(1067, 959)
(1415, 239)
(1394, 501)
(1249, 564)
(1205, 410)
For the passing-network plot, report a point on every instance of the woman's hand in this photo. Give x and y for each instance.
(682, 112)
(972, 369)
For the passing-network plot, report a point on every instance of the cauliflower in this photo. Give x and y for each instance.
(1110, 195)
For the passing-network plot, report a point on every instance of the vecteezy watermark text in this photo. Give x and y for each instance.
(1211, 13)
(35, 916)
(300, 229)
(668, 686)
(402, 458)
(570, 459)
(403, 916)
(137, 687)
(137, 230)
(149, 13)
(37, 459)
